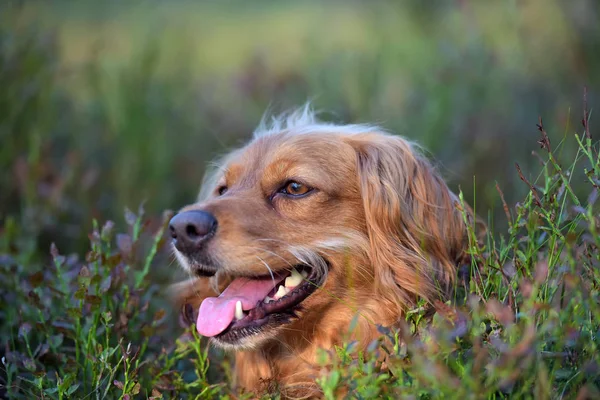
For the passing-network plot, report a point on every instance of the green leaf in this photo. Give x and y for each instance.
(80, 293)
(72, 389)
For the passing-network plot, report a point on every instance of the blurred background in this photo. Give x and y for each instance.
(105, 105)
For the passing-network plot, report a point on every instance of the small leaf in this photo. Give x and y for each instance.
(24, 330)
(56, 340)
(107, 231)
(124, 244)
(445, 311)
(118, 384)
(29, 364)
(94, 239)
(72, 389)
(130, 217)
(92, 256)
(74, 312)
(58, 259)
(105, 285)
(93, 300)
(42, 350)
(541, 271)
(571, 238)
(36, 279)
(80, 293)
(106, 316)
(84, 272)
(501, 312)
(526, 288)
(84, 277)
(136, 388)
(96, 279)
(54, 250)
(579, 210)
(373, 345)
(35, 299)
(147, 331)
(114, 260)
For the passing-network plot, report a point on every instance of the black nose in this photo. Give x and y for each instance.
(190, 229)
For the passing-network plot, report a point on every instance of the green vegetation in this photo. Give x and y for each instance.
(103, 107)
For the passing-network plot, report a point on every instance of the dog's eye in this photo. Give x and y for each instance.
(221, 190)
(294, 188)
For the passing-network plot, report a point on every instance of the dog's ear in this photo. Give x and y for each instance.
(416, 231)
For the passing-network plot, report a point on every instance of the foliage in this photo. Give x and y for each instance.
(96, 114)
(91, 328)
(108, 104)
(525, 322)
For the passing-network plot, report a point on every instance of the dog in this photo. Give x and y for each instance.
(306, 227)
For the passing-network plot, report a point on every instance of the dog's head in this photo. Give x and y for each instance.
(309, 213)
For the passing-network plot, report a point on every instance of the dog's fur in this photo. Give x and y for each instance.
(381, 223)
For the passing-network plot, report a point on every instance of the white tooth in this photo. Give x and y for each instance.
(293, 280)
(268, 300)
(282, 291)
(239, 313)
(304, 274)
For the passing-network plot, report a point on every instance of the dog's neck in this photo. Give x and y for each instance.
(290, 364)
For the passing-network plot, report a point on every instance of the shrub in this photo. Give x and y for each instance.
(523, 322)
(78, 328)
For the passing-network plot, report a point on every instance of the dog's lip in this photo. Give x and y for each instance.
(201, 267)
(281, 310)
(189, 315)
(204, 272)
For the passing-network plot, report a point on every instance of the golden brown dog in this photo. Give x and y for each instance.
(301, 230)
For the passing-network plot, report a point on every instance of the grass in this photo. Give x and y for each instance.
(129, 102)
(524, 321)
(90, 328)
(98, 114)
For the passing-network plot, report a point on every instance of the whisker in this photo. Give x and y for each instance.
(269, 268)
(215, 283)
(269, 252)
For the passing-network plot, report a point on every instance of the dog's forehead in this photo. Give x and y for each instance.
(321, 158)
(287, 148)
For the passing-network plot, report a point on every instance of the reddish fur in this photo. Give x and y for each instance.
(407, 238)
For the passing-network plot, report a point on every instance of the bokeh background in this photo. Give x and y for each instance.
(105, 105)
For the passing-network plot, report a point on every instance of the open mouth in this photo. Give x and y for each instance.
(248, 305)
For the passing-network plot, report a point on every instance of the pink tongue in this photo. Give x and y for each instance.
(216, 313)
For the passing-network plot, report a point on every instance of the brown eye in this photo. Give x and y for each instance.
(295, 189)
(221, 190)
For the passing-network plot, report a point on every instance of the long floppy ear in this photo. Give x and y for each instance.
(416, 232)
